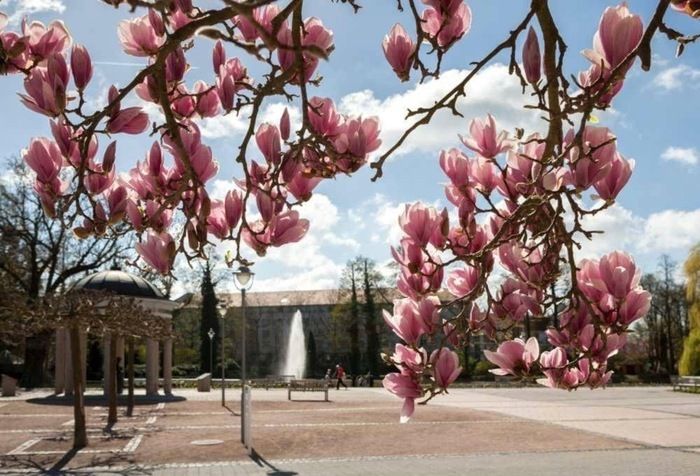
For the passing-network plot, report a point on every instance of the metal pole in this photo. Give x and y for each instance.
(243, 373)
(223, 373)
(211, 355)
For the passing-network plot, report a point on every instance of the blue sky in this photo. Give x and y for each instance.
(654, 118)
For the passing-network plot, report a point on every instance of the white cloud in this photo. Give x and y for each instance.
(676, 77)
(493, 91)
(684, 155)
(671, 232)
(20, 8)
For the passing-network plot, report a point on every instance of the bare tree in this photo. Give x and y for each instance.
(39, 256)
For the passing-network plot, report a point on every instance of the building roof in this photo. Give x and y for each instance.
(120, 283)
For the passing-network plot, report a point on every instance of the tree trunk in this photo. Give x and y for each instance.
(130, 371)
(112, 381)
(79, 430)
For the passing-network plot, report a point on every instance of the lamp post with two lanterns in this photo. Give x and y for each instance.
(243, 279)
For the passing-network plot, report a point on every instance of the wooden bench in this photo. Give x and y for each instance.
(686, 384)
(307, 385)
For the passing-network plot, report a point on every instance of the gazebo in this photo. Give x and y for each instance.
(147, 296)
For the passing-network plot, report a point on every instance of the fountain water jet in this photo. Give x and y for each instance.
(295, 360)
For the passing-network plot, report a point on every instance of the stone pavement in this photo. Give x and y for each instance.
(621, 431)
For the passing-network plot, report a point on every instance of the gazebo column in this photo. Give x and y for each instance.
(59, 376)
(168, 366)
(151, 366)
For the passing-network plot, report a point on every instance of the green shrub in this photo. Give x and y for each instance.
(481, 370)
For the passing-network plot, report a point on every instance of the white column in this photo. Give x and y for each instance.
(59, 376)
(168, 366)
(68, 367)
(105, 364)
(151, 367)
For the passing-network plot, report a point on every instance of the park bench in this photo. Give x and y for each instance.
(307, 385)
(686, 384)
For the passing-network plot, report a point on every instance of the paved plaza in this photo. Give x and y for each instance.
(625, 430)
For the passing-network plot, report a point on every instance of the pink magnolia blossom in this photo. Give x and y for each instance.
(16, 51)
(285, 125)
(48, 193)
(423, 224)
(456, 166)
(484, 174)
(406, 321)
(282, 229)
(428, 309)
(217, 224)
(81, 66)
(158, 250)
(138, 37)
(156, 21)
(595, 78)
(485, 138)
(324, 118)
(263, 16)
(447, 26)
(231, 78)
(314, 34)
(218, 56)
(117, 202)
(405, 386)
(516, 299)
(514, 357)
(594, 162)
(532, 59)
(406, 357)
(462, 281)
(296, 182)
(208, 102)
(131, 120)
(399, 49)
(233, 207)
(359, 137)
(426, 280)
(268, 139)
(619, 33)
(199, 155)
(611, 184)
(446, 366)
(409, 255)
(44, 157)
(46, 41)
(46, 87)
(175, 65)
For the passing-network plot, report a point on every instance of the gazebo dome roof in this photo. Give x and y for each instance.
(119, 282)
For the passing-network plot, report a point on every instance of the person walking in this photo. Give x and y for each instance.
(327, 378)
(339, 374)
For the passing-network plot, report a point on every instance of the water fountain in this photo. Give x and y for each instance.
(295, 359)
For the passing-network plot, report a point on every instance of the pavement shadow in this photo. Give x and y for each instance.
(263, 463)
(100, 400)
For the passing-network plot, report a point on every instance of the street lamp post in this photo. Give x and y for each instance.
(222, 313)
(243, 279)
(211, 335)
